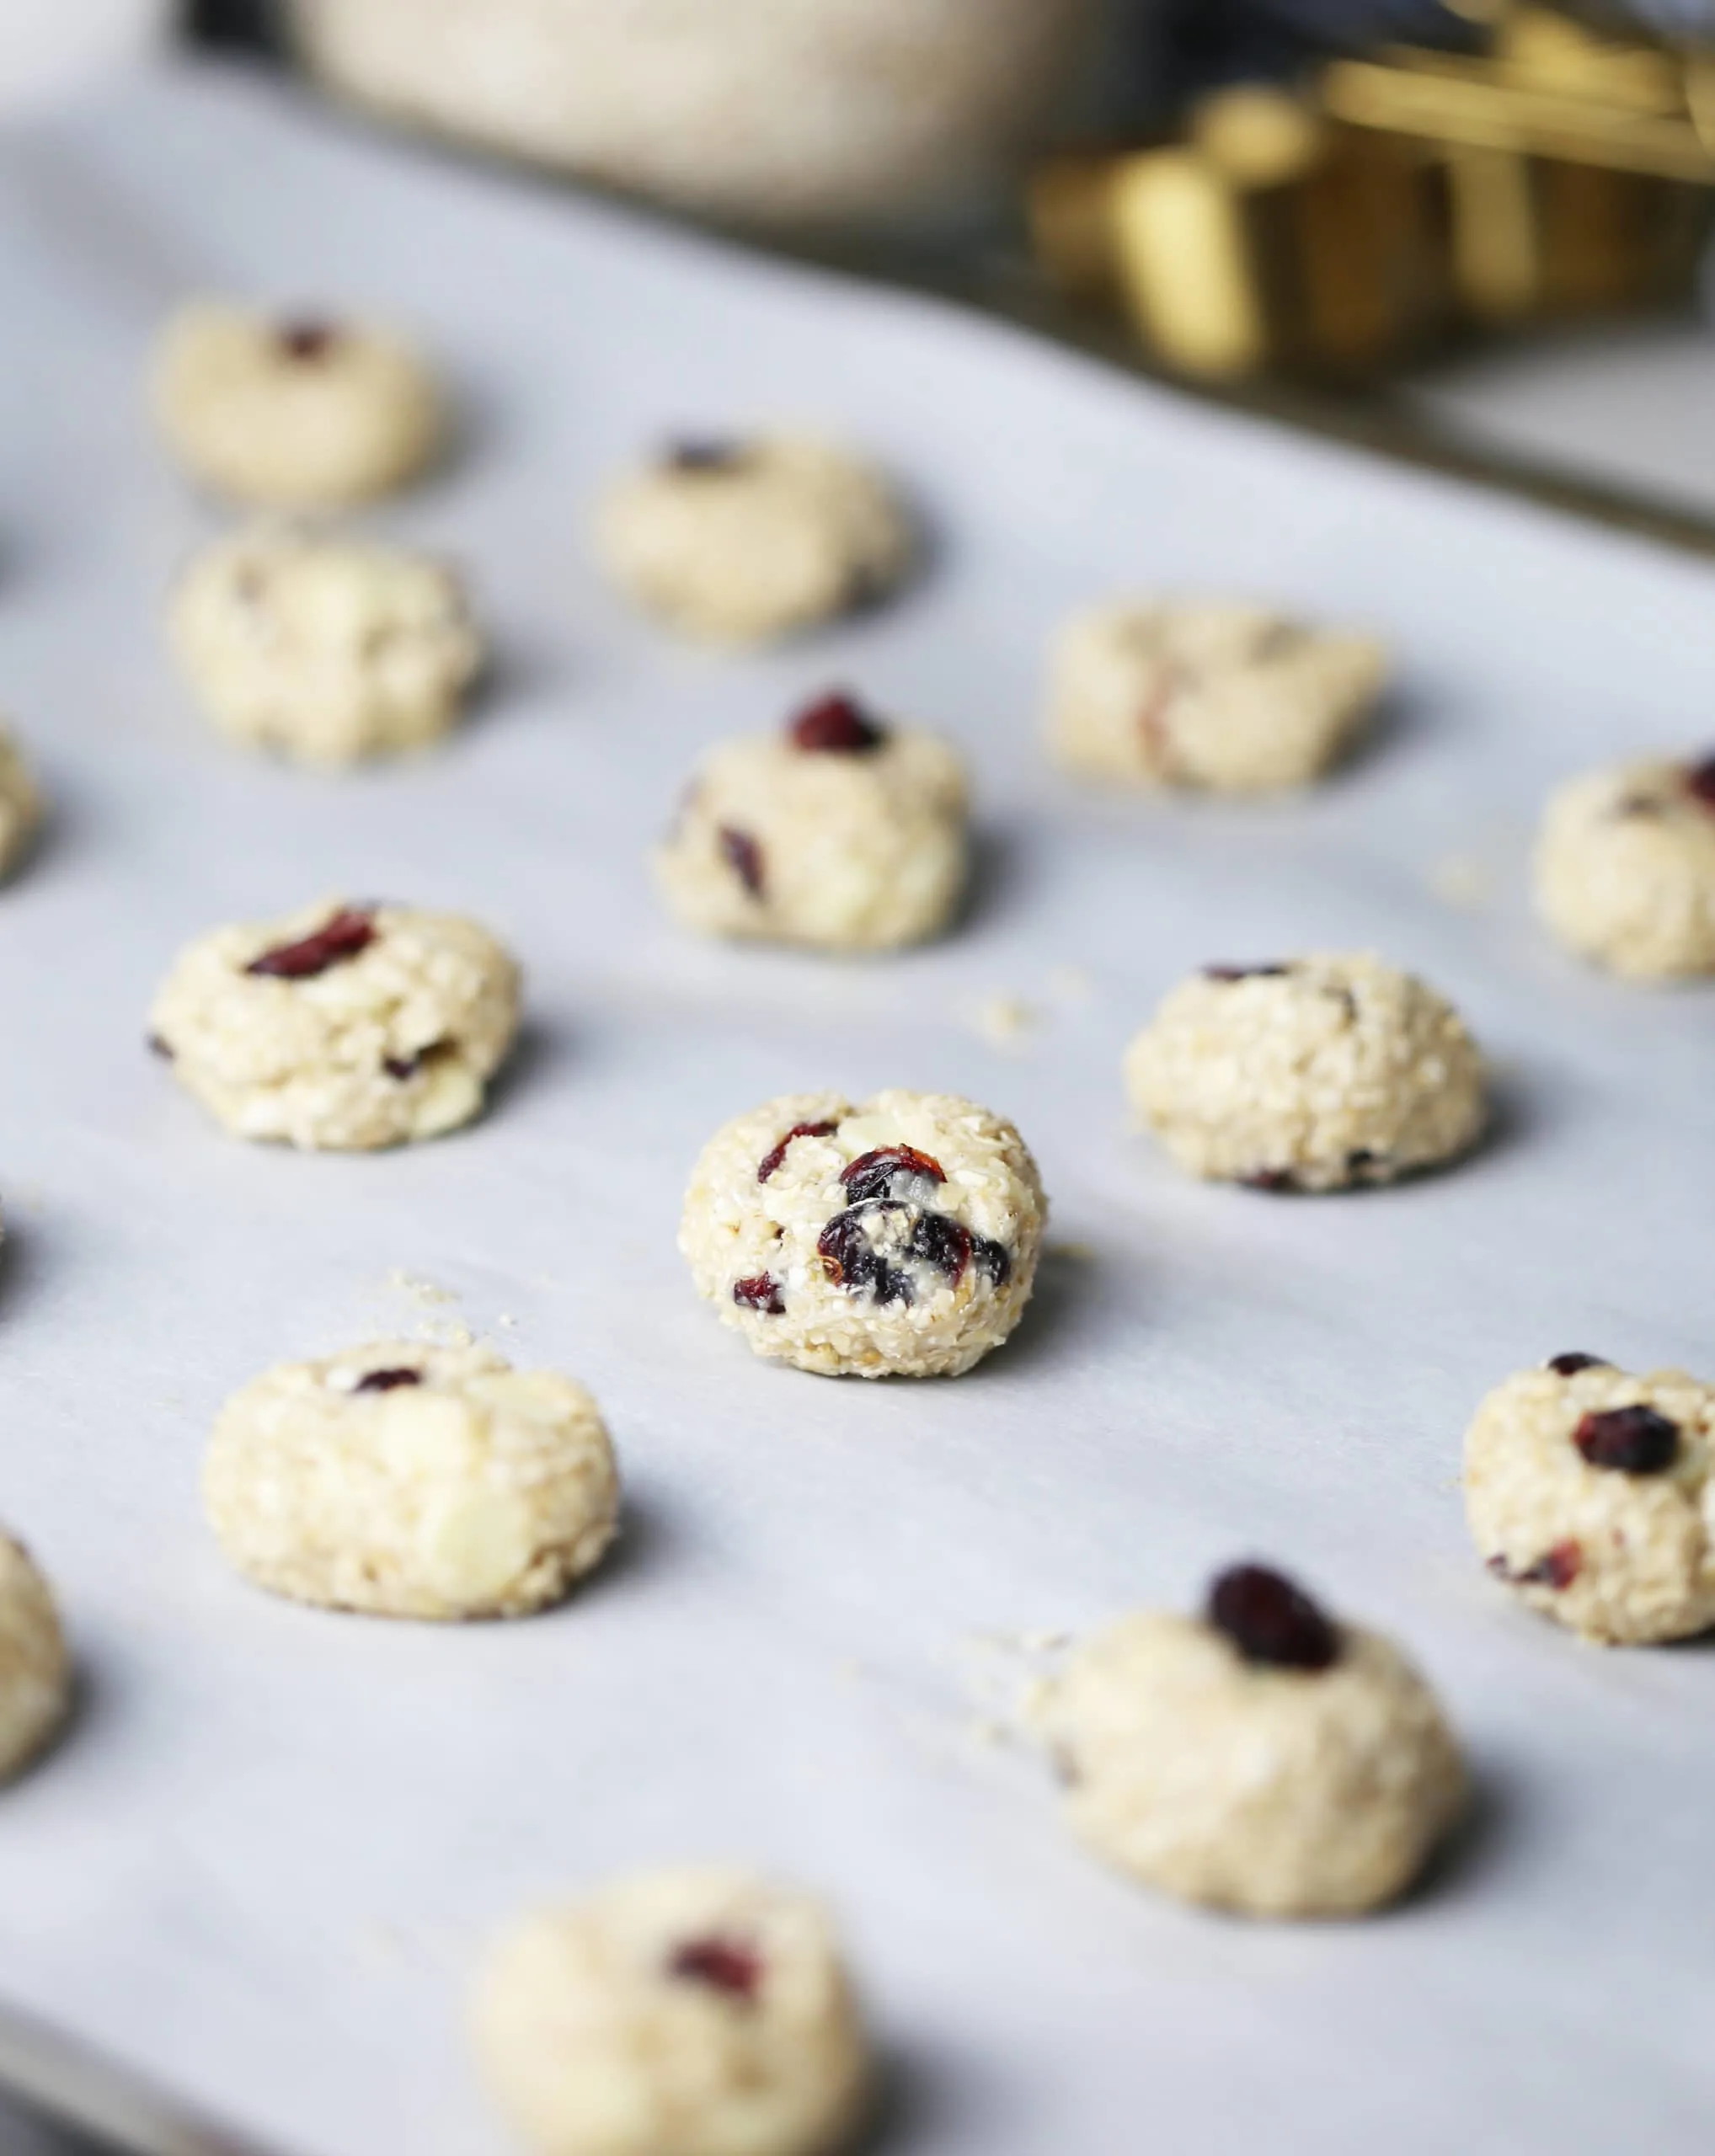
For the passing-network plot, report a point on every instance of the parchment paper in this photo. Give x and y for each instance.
(262, 1862)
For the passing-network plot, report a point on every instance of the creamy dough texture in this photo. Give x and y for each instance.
(896, 1239)
(1589, 1495)
(739, 542)
(36, 1669)
(21, 805)
(1262, 1787)
(1313, 1074)
(840, 832)
(1625, 867)
(311, 413)
(341, 1026)
(409, 1481)
(1234, 698)
(326, 650)
(678, 2013)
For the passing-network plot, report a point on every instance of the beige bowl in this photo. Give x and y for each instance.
(789, 111)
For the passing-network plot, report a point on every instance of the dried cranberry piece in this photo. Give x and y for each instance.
(1631, 1440)
(853, 1261)
(342, 938)
(705, 453)
(1245, 972)
(724, 1964)
(940, 1240)
(402, 1067)
(388, 1380)
(991, 1258)
(744, 857)
(307, 340)
(837, 725)
(772, 1161)
(1699, 781)
(761, 1293)
(871, 1175)
(1568, 1366)
(159, 1047)
(1557, 1568)
(1276, 1180)
(1270, 1620)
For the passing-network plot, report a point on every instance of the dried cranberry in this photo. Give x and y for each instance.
(1245, 972)
(402, 1067)
(1270, 1620)
(1633, 1440)
(772, 1161)
(705, 453)
(853, 1261)
(724, 1964)
(872, 1176)
(342, 938)
(991, 1258)
(943, 1242)
(1568, 1366)
(388, 1380)
(1276, 1180)
(1557, 1568)
(1699, 781)
(308, 341)
(159, 1047)
(761, 1292)
(837, 726)
(744, 857)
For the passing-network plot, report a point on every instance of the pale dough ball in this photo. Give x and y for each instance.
(1231, 697)
(1588, 1493)
(899, 1239)
(341, 1026)
(1260, 1759)
(838, 832)
(326, 649)
(1625, 867)
(739, 542)
(311, 413)
(36, 1669)
(680, 2012)
(1315, 1075)
(413, 1482)
(21, 805)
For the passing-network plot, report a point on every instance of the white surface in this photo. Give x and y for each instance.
(49, 48)
(262, 1861)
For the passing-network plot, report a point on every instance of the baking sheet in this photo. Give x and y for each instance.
(261, 1864)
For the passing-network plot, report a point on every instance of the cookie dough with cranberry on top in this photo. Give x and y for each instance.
(1625, 867)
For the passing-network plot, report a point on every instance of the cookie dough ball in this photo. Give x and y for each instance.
(1318, 1074)
(738, 542)
(683, 2013)
(1588, 1494)
(325, 649)
(1625, 867)
(1230, 697)
(287, 413)
(21, 805)
(899, 1239)
(1260, 1759)
(35, 1670)
(413, 1482)
(340, 1027)
(840, 832)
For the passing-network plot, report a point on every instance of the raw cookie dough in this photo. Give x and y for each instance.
(1625, 867)
(1588, 1493)
(738, 542)
(683, 2013)
(35, 1670)
(1260, 1759)
(1231, 697)
(899, 1239)
(341, 1026)
(21, 805)
(840, 831)
(290, 414)
(409, 1481)
(1315, 1075)
(326, 649)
